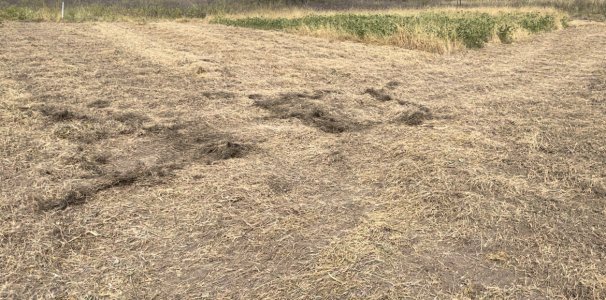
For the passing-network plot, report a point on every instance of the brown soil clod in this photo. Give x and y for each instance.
(599, 191)
(393, 84)
(319, 94)
(190, 143)
(166, 128)
(99, 104)
(279, 185)
(414, 118)
(101, 158)
(408, 103)
(60, 114)
(131, 118)
(218, 95)
(84, 134)
(582, 290)
(378, 94)
(474, 290)
(80, 194)
(301, 106)
(416, 115)
(255, 96)
(74, 197)
(224, 150)
(131, 122)
(318, 118)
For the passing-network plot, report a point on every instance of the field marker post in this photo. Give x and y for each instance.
(62, 9)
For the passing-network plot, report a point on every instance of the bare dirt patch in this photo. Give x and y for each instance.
(312, 113)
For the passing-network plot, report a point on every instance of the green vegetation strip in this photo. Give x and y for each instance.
(472, 29)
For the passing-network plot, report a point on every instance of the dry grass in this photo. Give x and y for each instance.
(169, 160)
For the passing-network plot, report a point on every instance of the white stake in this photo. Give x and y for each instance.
(62, 9)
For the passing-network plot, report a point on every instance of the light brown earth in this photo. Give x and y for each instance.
(186, 160)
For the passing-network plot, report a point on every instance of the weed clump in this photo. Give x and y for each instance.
(505, 33)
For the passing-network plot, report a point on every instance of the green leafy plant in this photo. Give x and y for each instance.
(469, 28)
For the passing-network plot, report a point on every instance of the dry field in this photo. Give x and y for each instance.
(187, 160)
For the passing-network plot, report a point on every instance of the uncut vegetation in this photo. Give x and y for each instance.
(96, 12)
(587, 9)
(435, 31)
(112, 10)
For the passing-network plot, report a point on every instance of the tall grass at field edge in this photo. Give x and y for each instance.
(102, 10)
(100, 13)
(433, 31)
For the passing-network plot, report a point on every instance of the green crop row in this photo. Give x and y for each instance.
(472, 29)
